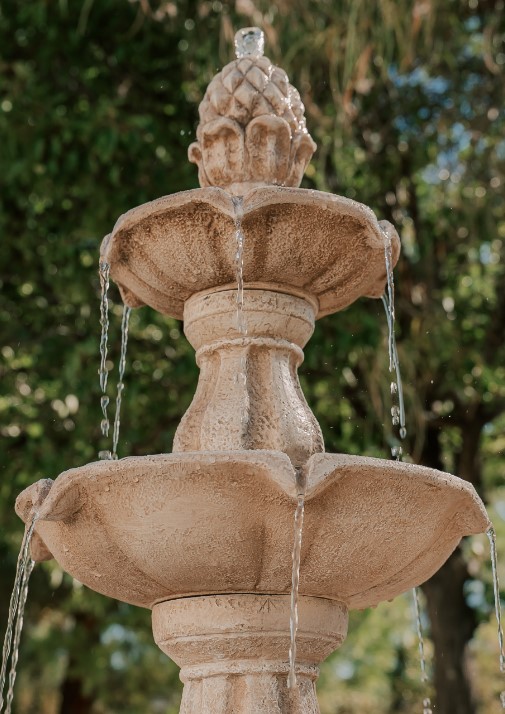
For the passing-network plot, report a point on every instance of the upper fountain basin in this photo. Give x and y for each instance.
(153, 528)
(327, 248)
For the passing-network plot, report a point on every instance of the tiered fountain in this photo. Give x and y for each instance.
(203, 536)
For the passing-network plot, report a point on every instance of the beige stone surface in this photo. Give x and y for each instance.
(252, 129)
(233, 650)
(149, 529)
(327, 247)
(248, 394)
(204, 535)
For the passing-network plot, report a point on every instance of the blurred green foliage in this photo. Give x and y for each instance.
(98, 103)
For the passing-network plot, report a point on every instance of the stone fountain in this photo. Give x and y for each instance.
(203, 536)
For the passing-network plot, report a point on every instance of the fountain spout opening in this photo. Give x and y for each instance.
(249, 42)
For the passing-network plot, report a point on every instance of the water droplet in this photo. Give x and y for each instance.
(403, 432)
(394, 388)
(104, 455)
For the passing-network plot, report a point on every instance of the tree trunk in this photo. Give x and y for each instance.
(73, 699)
(452, 626)
(452, 621)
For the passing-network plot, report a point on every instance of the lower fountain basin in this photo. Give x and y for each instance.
(149, 529)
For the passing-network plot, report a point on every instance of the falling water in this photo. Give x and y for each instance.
(17, 633)
(16, 614)
(422, 657)
(491, 534)
(239, 263)
(398, 420)
(388, 300)
(120, 385)
(295, 579)
(104, 273)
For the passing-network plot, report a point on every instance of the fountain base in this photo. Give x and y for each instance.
(233, 650)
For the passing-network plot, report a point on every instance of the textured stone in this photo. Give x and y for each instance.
(204, 536)
(248, 394)
(233, 651)
(296, 241)
(252, 129)
(153, 528)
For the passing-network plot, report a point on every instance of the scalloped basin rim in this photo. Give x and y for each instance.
(60, 504)
(253, 199)
(320, 471)
(163, 252)
(153, 528)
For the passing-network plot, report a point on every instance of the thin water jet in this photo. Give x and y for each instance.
(238, 205)
(16, 611)
(422, 655)
(398, 418)
(295, 577)
(16, 641)
(491, 534)
(396, 386)
(120, 385)
(104, 274)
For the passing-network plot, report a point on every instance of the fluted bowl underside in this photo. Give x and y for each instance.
(329, 247)
(148, 529)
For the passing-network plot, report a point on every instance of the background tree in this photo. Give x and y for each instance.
(98, 103)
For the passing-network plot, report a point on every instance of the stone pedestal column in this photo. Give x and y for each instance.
(248, 394)
(233, 650)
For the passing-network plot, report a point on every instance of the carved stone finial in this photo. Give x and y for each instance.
(252, 128)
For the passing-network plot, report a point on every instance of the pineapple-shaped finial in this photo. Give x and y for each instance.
(252, 128)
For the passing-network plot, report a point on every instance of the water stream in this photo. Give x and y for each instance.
(422, 656)
(240, 317)
(16, 615)
(388, 300)
(398, 420)
(239, 263)
(104, 273)
(120, 385)
(491, 534)
(17, 633)
(295, 579)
